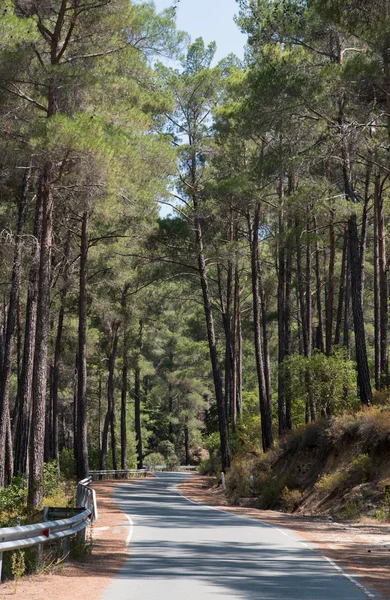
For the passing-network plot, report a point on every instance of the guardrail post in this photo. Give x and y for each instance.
(1, 564)
(223, 481)
(252, 485)
(40, 556)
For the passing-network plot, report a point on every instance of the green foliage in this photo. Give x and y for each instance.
(290, 499)
(154, 459)
(18, 568)
(14, 496)
(332, 482)
(330, 381)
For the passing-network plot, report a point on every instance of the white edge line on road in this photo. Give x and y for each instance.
(329, 560)
(131, 529)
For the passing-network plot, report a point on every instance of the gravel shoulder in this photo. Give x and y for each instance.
(362, 548)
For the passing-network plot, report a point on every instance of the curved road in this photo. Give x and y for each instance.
(181, 550)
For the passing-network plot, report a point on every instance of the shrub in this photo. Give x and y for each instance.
(332, 481)
(14, 496)
(361, 468)
(270, 496)
(154, 459)
(290, 499)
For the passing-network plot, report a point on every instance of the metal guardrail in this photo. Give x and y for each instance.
(138, 472)
(24, 536)
(169, 468)
(124, 473)
(86, 496)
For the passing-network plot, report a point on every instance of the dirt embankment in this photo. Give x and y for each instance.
(363, 548)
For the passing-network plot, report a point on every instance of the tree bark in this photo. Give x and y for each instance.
(357, 310)
(125, 369)
(377, 312)
(339, 318)
(330, 295)
(82, 429)
(24, 402)
(265, 406)
(222, 417)
(137, 398)
(57, 353)
(35, 491)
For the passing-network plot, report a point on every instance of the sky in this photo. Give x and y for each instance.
(212, 20)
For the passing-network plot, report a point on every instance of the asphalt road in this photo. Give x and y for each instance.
(180, 550)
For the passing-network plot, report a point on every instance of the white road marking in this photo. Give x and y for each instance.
(131, 530)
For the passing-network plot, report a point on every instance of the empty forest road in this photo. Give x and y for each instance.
(180, 550)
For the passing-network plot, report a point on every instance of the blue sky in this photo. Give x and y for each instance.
(212, 20)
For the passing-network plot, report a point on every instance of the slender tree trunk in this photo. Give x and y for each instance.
(239, 348)
(301, 294)
(363, 239)
(330, 296)
(111, 395)
(137, 398)
(222, 417)
(339, 319)
(383, 288)
(309, 308)
(82, 429)
(57, 352)
(187, 445)
(22, 433)
(35, 491)
(265, 406)
(357, 310)
(364, 382)
(347, 305)
(377, 325)
(264, 326)
(6, 468)
(125, 369)
(287, 319)
(320, 327)
(281, 271)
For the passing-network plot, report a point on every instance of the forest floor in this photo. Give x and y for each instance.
(363, 548)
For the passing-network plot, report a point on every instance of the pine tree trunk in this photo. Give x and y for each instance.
(111, 396)
(330, 295)
(287, 319)
(82, 430)
(320, 327)
(339, 319)
(35, 487)
(357, 310)
(22, 433)
(239, 358)
(383, 288)
(281, 272)
(125, 369)
(264, 326)
(377, 312)
(222, 417)
(57, 353)
(6, 370)
(137, 399)
(187, 445)
(309, 307)
(265, 406)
